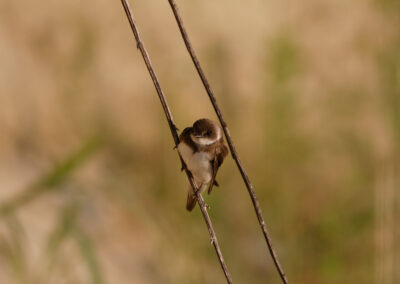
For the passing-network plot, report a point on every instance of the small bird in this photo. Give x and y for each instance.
(203, 150)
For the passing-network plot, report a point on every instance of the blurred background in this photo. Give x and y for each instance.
(91, 189)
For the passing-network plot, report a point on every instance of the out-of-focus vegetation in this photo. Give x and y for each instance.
(90, 187)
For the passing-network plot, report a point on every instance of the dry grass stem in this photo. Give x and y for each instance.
(202, 204)
(235, 156)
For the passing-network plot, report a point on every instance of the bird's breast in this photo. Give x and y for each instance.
(198, 163)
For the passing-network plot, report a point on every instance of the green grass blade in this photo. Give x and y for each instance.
(54, 178)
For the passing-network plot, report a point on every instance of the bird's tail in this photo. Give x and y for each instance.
(191, 197)
(191, 200)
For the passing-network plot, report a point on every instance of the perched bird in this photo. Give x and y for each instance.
(203, 150)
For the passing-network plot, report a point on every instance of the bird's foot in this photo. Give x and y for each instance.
(212, 240)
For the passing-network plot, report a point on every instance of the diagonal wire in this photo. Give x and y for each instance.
(202, 204)
(235, 156)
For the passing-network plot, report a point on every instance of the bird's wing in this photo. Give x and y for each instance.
(185, 138)
(214, 167)
(216, 163)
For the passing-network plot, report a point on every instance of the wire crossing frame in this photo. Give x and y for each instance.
(172, 126)
(234, 154)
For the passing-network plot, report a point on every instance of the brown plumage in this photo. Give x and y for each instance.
(203, 150)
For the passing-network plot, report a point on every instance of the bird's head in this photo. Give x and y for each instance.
(205, 132)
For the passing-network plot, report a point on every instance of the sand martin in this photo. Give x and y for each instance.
(203, 150)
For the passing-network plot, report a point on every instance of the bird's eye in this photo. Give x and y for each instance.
(208, 133)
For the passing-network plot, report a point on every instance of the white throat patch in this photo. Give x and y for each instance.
(206, 141)
(203, 141)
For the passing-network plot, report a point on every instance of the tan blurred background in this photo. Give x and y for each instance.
(91, 189)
